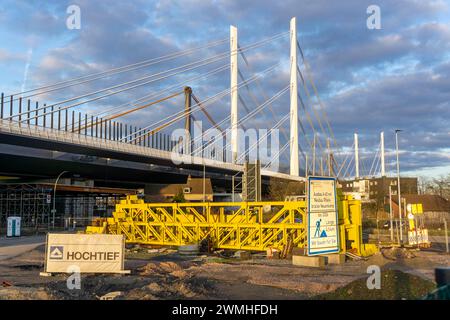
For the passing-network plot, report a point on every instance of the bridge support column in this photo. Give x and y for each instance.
(294, 165)
(187, 115)
(329, 164)
(383, 173)
(314, 156)
(234, 92)
(356, 157)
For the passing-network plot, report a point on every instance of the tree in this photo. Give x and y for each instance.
(179, 197)
(277, 189)
(438, 186)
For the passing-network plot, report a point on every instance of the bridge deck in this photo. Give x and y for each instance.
(55, 136)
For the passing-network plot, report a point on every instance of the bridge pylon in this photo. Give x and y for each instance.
(234, 91)
(294, 165)
(187, 115)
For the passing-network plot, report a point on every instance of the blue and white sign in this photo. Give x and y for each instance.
(323, 233)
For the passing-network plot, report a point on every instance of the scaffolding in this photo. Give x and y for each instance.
(79, 209)
(31, 203)
(251, 181)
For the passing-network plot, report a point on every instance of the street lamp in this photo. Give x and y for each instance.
(398, 187)
(390, 213)
(54, 198)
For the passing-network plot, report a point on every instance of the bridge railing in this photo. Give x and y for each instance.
(27, 112)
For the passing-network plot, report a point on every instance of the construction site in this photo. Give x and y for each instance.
(114, 202)
(227, 251)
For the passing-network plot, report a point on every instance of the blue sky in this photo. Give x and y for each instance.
(369, 80)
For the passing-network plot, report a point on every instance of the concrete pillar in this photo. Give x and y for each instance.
(294, 165)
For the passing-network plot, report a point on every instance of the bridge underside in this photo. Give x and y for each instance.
(27, 156)
(30, 164)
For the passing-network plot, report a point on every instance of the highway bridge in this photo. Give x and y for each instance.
(70, 134)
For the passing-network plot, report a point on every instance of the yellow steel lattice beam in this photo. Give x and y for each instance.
(229, 225)
(237, 225)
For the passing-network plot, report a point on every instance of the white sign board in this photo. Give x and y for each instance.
(92, 253)
(323, 233)
(418, 237)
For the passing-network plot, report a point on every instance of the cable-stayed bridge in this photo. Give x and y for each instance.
(73, 133)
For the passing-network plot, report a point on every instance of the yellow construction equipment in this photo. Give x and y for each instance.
(228, 225)
(350, 227)
(252, 226)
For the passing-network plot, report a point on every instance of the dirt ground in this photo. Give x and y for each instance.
(168, 275)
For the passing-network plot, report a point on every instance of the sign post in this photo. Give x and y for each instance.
(323, 233)
(416, 235)
(446, 235)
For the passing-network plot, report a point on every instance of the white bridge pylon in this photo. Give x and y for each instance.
(234, 91)
(294, 144)
(294, 165)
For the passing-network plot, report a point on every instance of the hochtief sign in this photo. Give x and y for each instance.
(323, 234)
(91, 253)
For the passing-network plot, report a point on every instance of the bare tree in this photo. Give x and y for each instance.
(438, 186)
(277, 189)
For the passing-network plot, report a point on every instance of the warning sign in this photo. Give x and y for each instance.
(322, 216)
(419, 236)
(101, 253)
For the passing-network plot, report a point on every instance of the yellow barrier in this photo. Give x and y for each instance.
(228, 225)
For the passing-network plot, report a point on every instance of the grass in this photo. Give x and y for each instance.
(431, 232)
(395, 285)
(140, 255)
(436, 232)
(220, 260)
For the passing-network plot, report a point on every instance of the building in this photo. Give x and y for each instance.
(434, 207)
(195, 189)
(375, 189)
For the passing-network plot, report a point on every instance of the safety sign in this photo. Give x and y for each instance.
(91, 253)
(322, 213)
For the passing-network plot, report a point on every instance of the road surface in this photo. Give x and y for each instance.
(13, 247)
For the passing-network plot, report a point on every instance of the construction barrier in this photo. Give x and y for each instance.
(254, 226)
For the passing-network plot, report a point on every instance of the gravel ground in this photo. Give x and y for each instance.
(171, 276)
